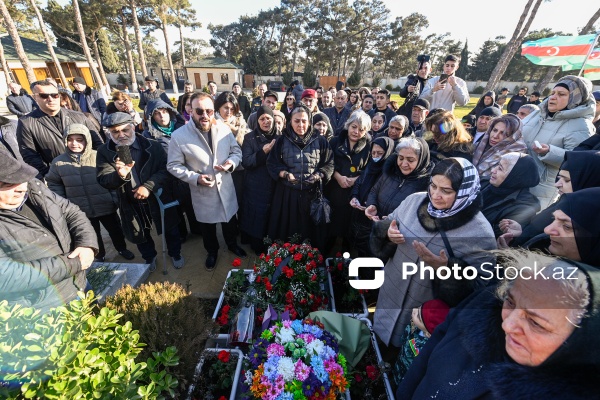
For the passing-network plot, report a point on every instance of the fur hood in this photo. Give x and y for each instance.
(432, 224)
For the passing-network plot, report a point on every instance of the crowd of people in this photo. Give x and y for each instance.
(409, 184)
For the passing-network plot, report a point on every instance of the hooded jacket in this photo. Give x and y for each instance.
(34, 268)
(73, 176)
(95, 102)
(152, 131)
(480, 106)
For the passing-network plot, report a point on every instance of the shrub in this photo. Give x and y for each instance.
(397, 89)
(354, 79)
(122, 79)
(389, 87)
(377, 81)
(287, 78)
(71, 353)
(166, 313)
(478, 90)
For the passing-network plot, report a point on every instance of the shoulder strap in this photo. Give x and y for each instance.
(446, 241)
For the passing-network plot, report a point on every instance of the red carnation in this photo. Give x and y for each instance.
(297, 256)
(340, 266)
(224, 356)
(225, 308)
(277, 261)
(268, 286)
(338, 254)
(268, 258)
(258, 279)
(286, 245)
(372, 372)
(236, 262)
(358, 377)
(313, 278)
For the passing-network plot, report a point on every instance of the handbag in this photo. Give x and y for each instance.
(320, 210)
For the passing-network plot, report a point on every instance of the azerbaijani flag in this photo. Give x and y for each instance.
(567, 52)
(592, 74)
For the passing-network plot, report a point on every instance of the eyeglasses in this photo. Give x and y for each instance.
(200, 112)
(46, 95)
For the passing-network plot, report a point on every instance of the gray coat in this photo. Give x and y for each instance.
(562, 132)
(469, 235)
(73, 176)
(190, 156)
(8, 137)
(95, 102)
(34, 268)
(20, 104)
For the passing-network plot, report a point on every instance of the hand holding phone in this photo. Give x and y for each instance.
(537, 144)
(124, 154)
(443, 78)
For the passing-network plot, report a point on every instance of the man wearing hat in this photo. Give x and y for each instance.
(420, 110)
(414, 84)
(40, 133)
(89, 100)
(309, 99)
(47, 241)
(468, 121)
(135, 183)
(483, 123)
(188, 87)
(269, 100)
(243, 101)
(152, 93)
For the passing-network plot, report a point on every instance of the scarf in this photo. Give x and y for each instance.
(521, 174)
(584, 168)
(265, 110)
(467, 192)
(166, 130)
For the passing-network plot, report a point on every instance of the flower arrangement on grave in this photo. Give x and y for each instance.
(295, 360)
(216, 376)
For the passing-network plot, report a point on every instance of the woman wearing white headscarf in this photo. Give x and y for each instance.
(417, 231)
(564, 121)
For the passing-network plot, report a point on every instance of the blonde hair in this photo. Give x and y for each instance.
(455, 136)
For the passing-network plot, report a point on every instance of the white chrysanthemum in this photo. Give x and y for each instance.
(248, 379)
(285, 335)
(315, 347)
(286, 368)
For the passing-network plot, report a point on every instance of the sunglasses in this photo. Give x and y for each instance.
(46, 95)
(200, 112)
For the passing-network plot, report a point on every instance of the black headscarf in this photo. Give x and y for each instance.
(374, 168)
(584, 210)
(321, 117)
(265, 110)
(424, 164)
(291, 134)
(521, 176)
(584, 168)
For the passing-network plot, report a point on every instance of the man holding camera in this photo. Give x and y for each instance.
(446, 90)
(414, 84)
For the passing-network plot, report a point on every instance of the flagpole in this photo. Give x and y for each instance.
(589, 53)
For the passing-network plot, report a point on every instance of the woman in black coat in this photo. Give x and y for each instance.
(300, 159)
(351, 151)
(381, 149)
(528, 339)
(506, 194)
(404, 173)
(258, 184)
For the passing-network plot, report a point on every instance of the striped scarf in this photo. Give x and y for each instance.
(467, 192)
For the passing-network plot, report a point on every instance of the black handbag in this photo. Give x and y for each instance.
(320, 210)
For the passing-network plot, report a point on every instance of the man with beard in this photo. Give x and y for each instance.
(203, 153)
(135, 183)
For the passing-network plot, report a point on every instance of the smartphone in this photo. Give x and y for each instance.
(124, 154)
(209, 178)
(537, 144)
(443, 78)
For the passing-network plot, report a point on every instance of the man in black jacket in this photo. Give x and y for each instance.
(135, 183)
(89, 100)
(152, 93)
(517, 101)
(40, 133)
(8, 137)
(18, 101)
(188, 87)
(243, 101)
(47, 242)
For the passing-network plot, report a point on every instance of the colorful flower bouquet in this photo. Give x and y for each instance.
(345, 299)
(295, 360)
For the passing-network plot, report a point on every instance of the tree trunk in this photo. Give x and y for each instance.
(183, 60)
(84, 45)
(280, 56)
(501, 66)
(134, 85)
(4, 65)
(294, 62)
(554, 70)
(14, 34)
(169, 60)
(61, 74)
(105, 83)
(138, 39)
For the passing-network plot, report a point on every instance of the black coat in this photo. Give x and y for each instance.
(40, 141)
(146, 96)
(244, 103)
(350, 163)
(337, 120)
(465, 359)
(258, 185)
(438, 155)
(35, 270)
(8, 137)
(392, 187)
(95, 102)
(154, 175)
(20, 104)
(520, 206)
(411, 97)
(480, 106)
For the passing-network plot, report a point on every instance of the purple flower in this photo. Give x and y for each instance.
(275, 349)
(310, 385)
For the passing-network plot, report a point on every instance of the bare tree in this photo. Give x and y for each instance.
(515, 41)
(61, 74)
(127, 44)
(4, 65)
(84, 46)
(14, 34)
(588, 28)
(138, 39)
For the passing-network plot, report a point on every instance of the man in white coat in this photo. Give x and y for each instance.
(203, 153)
